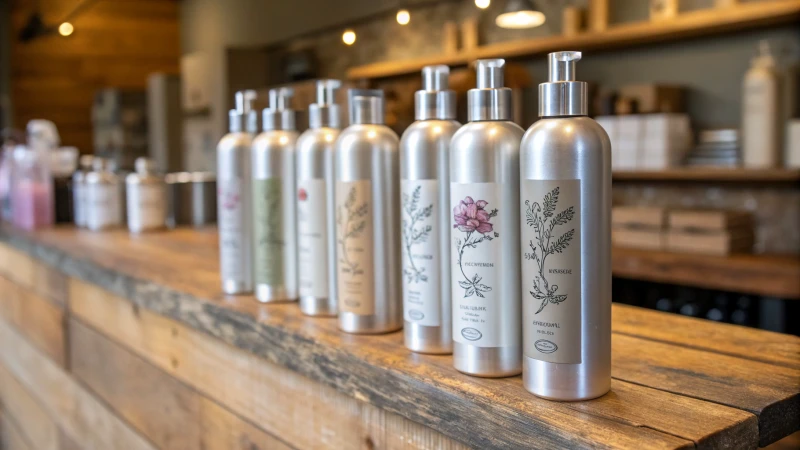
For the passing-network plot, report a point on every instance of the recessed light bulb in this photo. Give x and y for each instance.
(349, 37)
(483, 4)
(403, 17)
(65, 29)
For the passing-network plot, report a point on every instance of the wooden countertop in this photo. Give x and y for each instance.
(677, 382)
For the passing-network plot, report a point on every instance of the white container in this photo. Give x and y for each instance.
(103, 197)
(146, 194)
(761, 110)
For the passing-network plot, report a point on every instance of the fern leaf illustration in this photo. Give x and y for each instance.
(361, 211)
(351, 198)
(562, 242)
(549, 203)
(542, 306)
(556, 299)
(563, 217)
(415, 198)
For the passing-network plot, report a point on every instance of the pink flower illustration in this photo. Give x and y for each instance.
(471, 216)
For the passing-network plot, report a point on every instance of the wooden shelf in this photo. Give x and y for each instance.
(768, 275)
(711, 174)
(688, 25)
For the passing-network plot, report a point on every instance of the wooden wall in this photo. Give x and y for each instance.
(116, 43)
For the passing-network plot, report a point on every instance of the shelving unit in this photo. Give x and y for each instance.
(687, 25)
(711, 174)
(767, 275)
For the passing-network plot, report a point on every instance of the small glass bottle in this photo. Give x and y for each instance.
(147, 198)
(103, 197)
(32, 189)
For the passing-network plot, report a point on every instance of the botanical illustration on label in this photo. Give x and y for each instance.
(551, 268)
(268, 231)
(230, 218)
(476, 319)
(312, 238)
(420, 237)
(355, 247)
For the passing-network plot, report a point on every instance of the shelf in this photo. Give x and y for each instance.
(767, 275)
(711, 174)
(687, 25)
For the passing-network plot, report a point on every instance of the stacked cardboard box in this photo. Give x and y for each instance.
(638, 227)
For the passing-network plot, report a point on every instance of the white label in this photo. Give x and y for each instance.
(420, 240)
(477, 263)
(354, 256)
(104, 206)
(312, 238)
(147, 206)
(230, 222)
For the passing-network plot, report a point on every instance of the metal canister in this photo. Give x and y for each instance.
(274, 204)
(192, 198)
(146, 198)
(366, 161)
(316, 243)
(425, 212)
(565, 167)
(484, 200)
(104, 197)
(79, 189)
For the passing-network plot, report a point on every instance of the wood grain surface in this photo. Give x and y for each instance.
(675, 383)
(30, 418)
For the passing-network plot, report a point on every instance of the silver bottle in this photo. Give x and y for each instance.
(425, 215)
(367, 219)
(79, 189)
(484, 200)
(234, 204)
(316, 224)
(103, 196)
(565, 170)
(274, 204)
(146, 193)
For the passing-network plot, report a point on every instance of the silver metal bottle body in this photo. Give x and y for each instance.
(273, 159)
(424, 157)
(315, 166)
(488, 152)
(234, 213)
(368, 153)
(574, 148)
(146, 202)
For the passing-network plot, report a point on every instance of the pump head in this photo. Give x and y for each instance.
(325, 113)
(366, 106)
(243, 107)
(490, 100)
(435, 100)
(279, 115)
(562, 95)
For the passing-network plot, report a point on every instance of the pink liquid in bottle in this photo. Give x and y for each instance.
(32, 205)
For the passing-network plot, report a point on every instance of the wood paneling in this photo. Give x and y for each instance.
(33, 421)
(116, 43)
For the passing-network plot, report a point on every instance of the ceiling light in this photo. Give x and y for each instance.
(349, 37)
(520, 14)
(403, 17)
(65, 29)
(482, 4)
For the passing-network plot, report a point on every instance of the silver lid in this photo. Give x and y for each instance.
(489, 100)
(366, 106)
(144, 165)
(244, 104)
(435, 100)
(325, 113)
(85, 162)
(562, 95)
(279, 115)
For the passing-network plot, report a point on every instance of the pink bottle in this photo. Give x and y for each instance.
(32, 189)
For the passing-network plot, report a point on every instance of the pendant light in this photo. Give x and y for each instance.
(520, 14)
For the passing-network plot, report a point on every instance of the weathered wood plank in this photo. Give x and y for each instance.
(746, 343)
(50, 283)
(16, 266)
(11, 438)
(766, 390)
(169, 413)
(80, 415)
(32, 420)
(41, 321)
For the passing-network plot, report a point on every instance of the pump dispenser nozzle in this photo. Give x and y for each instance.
(244, 111)
(490, 100)
(435, 100)
(366, 106)
(279, 115)
(562, 95)
(325, 113)
(490, 73)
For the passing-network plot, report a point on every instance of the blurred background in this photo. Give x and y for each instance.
(699, 98)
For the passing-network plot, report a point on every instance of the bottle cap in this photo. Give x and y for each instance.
(244, 104)
(85, 162)
(435, 100)
(325, 112)
(279, 115)
(366, 106)
(144, 165)
(489, 100)
(100, 164)
(562, 95)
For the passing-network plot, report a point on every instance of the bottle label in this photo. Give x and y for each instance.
(477, 253)
(268, 231)
(230, 222)
(354, 247)
(312, 238)
(551, 270)
(105, 209)
(420, 249)
(147, 208)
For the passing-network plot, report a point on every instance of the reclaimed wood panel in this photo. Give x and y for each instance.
(168, 412)
(16, 266)
(33, 421)
(11, 438)
(80, 415)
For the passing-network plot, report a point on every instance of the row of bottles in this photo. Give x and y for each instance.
(479, 240)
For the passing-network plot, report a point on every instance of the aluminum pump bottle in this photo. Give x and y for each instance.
(234, 204)
(316, 224)
(103, 196)
(367, 219)
(424, 213)
(146, 198)
(565, 206)
(274, 204)
(484, 226)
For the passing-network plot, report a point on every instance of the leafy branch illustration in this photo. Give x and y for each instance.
(472, 218)
(352, 226)
(543, 220)
(272, 230)
(413, 235)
